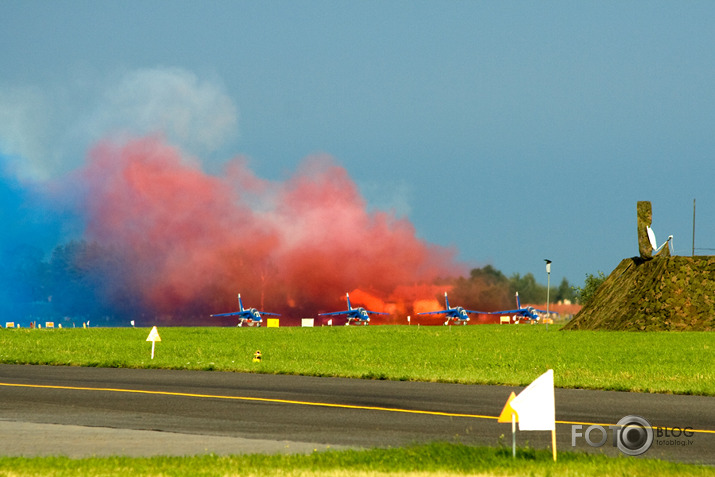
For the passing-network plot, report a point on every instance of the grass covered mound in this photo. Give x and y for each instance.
(663, 294)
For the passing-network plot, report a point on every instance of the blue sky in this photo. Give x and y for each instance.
(512, 131)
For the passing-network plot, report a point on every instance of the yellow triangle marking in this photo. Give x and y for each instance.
(507, 412)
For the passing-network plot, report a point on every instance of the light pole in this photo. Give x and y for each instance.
(548, 288)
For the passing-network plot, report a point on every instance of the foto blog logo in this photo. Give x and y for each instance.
(633, 435)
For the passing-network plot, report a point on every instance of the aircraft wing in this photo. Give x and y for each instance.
(522, 311)
(503, 311)
(269, 314)
(376, 312)
(233, 313)
(440, 312)
(336, 313)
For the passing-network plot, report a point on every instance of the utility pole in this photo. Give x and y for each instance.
(548, 289)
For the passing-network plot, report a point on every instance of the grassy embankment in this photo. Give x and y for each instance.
(680, 363)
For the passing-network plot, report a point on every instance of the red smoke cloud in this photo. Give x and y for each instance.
(189, 241)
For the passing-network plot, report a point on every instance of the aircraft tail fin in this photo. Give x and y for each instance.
(240, 303)
(446, 301)
(518, 302)
(347, 295)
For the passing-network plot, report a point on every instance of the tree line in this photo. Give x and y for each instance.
(79, 280)
(87, 281)
(489, 289)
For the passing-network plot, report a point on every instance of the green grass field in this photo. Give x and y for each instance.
(437, 459)
(680, 363)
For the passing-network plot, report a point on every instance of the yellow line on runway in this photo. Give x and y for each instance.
(700, 431)
(258, 399)
(302, 403)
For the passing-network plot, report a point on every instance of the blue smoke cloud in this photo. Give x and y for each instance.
(33, 224)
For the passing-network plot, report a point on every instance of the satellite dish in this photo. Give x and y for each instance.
(651, 238)
(653, 243)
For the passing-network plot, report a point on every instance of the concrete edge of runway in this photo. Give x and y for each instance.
(39, 440)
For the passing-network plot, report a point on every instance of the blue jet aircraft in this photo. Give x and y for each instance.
(250, 315)
(528, 312)
(456, 314)
(358, 315)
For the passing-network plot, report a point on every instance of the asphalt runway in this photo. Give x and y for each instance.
(75, 411)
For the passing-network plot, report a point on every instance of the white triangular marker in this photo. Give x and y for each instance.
(535, 405)
(153, 337)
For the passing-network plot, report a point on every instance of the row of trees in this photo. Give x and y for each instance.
(79, 280)
(88, 281)
(489, 288)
